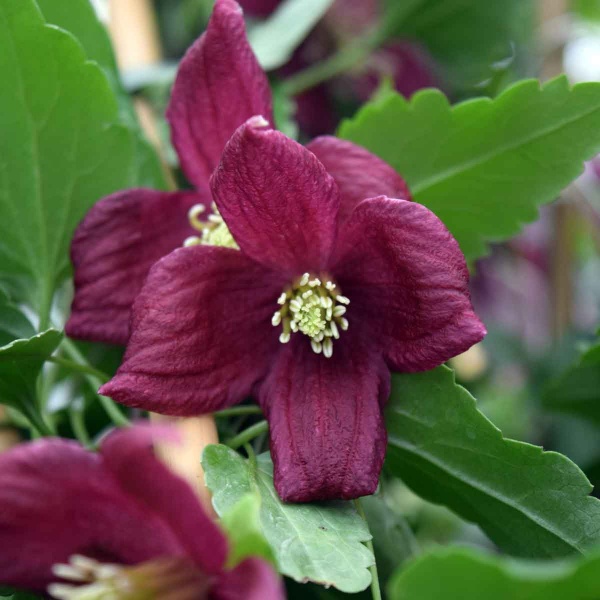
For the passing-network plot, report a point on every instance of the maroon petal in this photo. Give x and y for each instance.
(358, 173)
(252, 579)
(407, 281)
(218, 87)
(112, 251)
(56, 500)
(201, 334)
(260, 8)
(129, 457)
(277, 199)
(327, 434)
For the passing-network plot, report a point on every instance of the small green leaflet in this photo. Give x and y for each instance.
(485, 166)
(523, 498)
(244, 532)
(319, 542)
(275, 40)
(577, 391)
(22, 356)
(60, 150)
(465, 574)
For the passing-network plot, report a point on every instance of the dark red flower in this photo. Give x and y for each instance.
(118, 520)
(330, 288)
(366, 280)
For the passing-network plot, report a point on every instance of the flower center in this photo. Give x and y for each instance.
(155, 580)
(313, 306)
(214, 230)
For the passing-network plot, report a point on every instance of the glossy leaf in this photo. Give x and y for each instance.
(577, 391)
(465, 574)
(275, 39)
(59, 152)
(485, 166)
(319, 542)
(79, 18)
(531, 503)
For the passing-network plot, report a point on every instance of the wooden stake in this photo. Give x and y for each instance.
(135, 37)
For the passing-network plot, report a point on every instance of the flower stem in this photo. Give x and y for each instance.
(251, 456)
(37, 422)
(78, 426)
(238, 410)
(95, 379)
(340, 62)
(351, 55)
(77, 367)
(375, 587)
(248, 434)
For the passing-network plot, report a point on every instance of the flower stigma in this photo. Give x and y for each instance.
(214, 230)
(313, 306)
(89, 579)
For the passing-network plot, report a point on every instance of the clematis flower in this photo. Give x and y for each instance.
(117, 524)
(328, 286)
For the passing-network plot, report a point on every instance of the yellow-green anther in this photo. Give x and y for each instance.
(313, 306)
(214, 230)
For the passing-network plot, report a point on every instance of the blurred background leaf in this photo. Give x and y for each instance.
(465, 574)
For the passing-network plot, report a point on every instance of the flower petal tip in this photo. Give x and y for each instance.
(258, 122)
(228, 5)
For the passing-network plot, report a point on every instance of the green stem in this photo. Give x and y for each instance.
(251, 456)
(37, 422)
(237, 410)
(375, 587)
(114, 414)
(345, 59)
(45, 306)
(77, 367)
(248, 434)
(350, 56)
(77, 420)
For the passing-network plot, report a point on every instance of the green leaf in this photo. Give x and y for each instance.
(577, 391)
(464, 574)
(393, 539)
(275, 40)
(13, 323)
(319, 542)
(470, 38)
(79, 18)
(22, 356)
(484, 166)
(59, 149)
(242, 524)
(531, 503)
(20, 364)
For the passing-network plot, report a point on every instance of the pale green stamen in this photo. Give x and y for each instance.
(91, 580)
(214, 230)
(312, 306)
